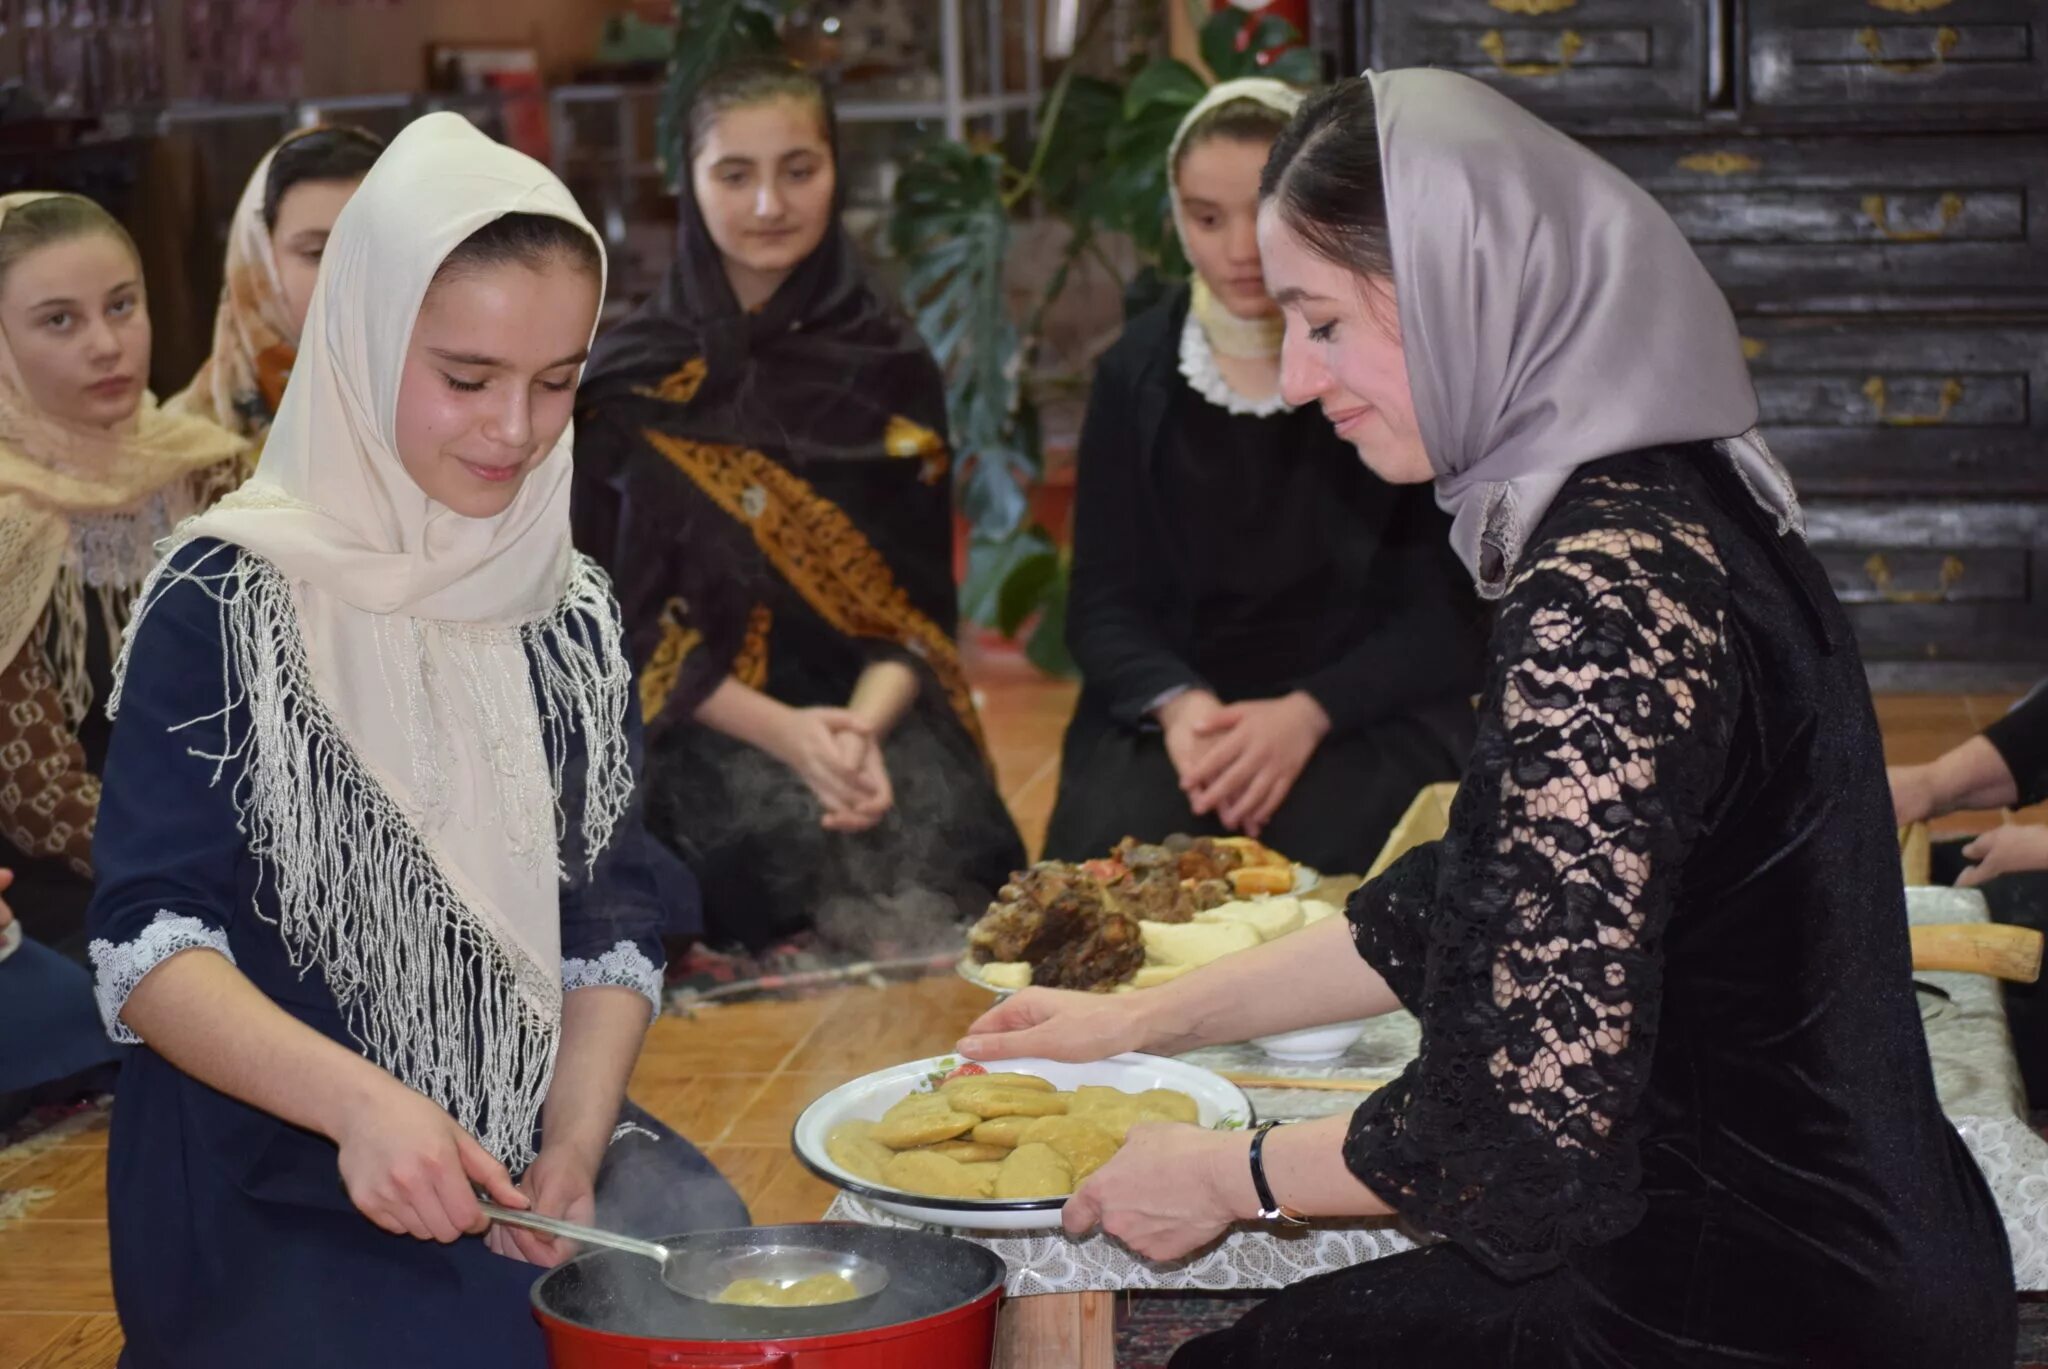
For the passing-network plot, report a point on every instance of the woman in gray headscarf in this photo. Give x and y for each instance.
(1673, 1103)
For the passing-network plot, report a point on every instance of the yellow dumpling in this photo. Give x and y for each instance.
(970, 1152)
(819, 1290)
(935, 1176)
(1001, 1081)
(1171, 1104)
(1034, 1170)
(997, 1100)
(1007, 1132)
(921, 1119)
(1084, 1145)
(853, 1147)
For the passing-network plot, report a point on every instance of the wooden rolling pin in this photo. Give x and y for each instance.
(1979, 948)
(1281, 1081)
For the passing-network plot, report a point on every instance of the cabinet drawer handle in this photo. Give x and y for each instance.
(1496, 47)
(1880, 573)
(1537, 8)
(1910, 6)
(1879, 213)
(1719, 163)
(1872, 42)
(1951, 395)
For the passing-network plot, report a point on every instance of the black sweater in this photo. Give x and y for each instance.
(1252, 556)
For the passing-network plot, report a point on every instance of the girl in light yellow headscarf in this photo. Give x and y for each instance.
(275, 242)
(92, 473)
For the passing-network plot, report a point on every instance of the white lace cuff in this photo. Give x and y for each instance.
(118, 967)
(623, 966)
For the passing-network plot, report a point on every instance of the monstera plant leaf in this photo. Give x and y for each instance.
(951, 226)
(1018, 581)
(1099, 164)
(1070, 170)
(708, 33)
(1234, 45)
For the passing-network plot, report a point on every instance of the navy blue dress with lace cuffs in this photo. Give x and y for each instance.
(231, 1233)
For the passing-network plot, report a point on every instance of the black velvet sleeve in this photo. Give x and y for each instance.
(1603, 734)
(2021, 737)
(1112, 610)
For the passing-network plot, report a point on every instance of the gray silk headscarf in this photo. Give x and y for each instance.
(1551, 314)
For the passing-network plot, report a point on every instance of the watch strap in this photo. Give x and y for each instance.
(1270, 1208)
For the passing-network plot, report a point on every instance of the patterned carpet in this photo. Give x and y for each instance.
(1149, 1329)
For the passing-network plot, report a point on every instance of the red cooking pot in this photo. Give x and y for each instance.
(611, 1310)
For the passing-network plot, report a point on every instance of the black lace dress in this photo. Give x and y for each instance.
(1673, 1104)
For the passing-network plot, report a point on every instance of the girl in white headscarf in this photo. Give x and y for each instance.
(373, 894)
(1242, 587)
(1673, 1105)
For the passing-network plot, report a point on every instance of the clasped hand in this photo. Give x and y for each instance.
(1240, 761)
(836, 754)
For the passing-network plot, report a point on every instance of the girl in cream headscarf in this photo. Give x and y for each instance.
(275, 241)
(1241, 584)
(374, 895)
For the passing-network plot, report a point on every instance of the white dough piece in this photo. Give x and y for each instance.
(1007, 974)
(1314, 910)
(1152, 976)
(1195, 943)
(1269, 917)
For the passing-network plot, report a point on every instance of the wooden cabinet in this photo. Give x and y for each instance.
(1830, 58)
(1630, 56)
(1885, 406)
(1868, 180)
(1857, 223)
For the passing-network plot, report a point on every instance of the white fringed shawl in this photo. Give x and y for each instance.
(412, 677)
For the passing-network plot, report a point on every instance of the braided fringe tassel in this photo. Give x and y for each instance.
(427, 989)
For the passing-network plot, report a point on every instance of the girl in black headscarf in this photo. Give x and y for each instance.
(761, 464)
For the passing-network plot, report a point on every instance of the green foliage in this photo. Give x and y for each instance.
(952, 228)
(708, 34)
(1099, 164)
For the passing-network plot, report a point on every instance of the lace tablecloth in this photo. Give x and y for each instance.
(1979, 1082)
(1974, 1071)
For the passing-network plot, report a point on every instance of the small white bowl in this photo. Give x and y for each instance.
(1311, 1044)
(1221, 1104)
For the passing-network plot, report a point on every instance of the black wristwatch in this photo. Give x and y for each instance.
(1270, 1210)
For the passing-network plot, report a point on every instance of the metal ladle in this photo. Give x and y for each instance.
(705, 1276)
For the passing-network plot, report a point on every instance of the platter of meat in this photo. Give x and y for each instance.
(1128, 918)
